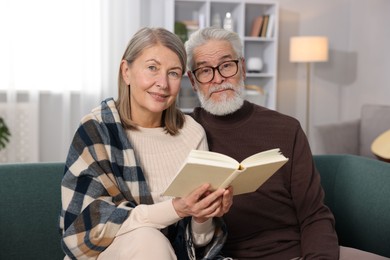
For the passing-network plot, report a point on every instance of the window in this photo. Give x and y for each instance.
(49, 45)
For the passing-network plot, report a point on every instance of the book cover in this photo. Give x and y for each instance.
(222, 171)
(271, 26)
(256, 26)
(265, 26)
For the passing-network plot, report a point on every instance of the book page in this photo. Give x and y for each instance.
(253, 177)
(192, 175)
(212, 158)
(265, 157)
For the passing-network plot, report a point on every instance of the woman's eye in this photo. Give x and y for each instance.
(152, 68)
(174, 74)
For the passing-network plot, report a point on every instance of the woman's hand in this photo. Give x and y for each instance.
(203, 204)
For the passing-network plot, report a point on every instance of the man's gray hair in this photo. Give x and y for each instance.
(202, 36)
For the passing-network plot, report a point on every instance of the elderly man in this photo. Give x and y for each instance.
(285, 218)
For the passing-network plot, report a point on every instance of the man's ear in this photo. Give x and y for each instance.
(192, 80)
(243, 66)
(124, 70)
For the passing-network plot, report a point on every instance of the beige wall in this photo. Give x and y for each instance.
(358, 71)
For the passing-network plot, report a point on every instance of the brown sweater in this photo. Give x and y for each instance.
(286, 217)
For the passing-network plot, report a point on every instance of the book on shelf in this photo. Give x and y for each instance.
(256, 26)
(265, 26)
(222, 171)
(271, 26)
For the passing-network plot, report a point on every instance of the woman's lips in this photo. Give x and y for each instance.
(158, 96)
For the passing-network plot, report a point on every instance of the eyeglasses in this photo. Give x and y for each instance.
(226, 69)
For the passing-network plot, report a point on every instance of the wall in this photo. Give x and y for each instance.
(357, 72)
(358, 68)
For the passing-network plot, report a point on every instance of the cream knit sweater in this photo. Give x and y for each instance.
(161, 155)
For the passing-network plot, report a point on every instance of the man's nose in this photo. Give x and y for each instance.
(218, 78)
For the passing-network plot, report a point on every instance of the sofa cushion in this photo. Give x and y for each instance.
(338, 138)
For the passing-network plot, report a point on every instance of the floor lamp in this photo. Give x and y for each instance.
(308, 49)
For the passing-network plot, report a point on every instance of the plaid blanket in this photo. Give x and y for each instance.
(103, 183)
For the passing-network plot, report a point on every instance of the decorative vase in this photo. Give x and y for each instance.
(228, 22)
(254, 65)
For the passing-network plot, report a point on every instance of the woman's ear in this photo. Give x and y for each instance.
(125, 71)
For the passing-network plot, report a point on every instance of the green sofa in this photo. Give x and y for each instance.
(30, 205)
(357, 191)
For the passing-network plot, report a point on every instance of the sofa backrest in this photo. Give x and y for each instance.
(30, 205)
(357, 190)
(375, 119)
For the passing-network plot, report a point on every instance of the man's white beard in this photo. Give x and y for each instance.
(226, 104)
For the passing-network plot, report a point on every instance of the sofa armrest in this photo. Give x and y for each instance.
(357, 192)
(338, 138)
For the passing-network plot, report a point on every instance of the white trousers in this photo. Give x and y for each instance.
(140, 244)
(347, 253)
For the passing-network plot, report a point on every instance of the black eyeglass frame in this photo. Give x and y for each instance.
(216, 68)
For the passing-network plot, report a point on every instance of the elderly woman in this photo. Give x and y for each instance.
(123, 156)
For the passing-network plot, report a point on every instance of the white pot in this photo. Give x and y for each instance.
(254, 64)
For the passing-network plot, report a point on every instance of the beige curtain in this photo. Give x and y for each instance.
(59, 59)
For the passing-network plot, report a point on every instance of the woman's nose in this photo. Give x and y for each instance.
(162, 81)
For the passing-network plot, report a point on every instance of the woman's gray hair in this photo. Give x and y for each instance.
(173, 118)
(147, 37)
(201, 36)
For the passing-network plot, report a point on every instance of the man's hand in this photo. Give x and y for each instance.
(227, 201)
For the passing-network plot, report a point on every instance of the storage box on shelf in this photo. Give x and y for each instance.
(199, 13)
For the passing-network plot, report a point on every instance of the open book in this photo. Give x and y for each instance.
(222, 171)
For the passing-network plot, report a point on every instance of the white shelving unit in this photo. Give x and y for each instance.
(244, 12)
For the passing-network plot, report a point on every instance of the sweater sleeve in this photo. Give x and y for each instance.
(159, 215)
(318, 236)
(202, 233)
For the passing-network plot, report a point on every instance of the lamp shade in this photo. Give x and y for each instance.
(308, 49)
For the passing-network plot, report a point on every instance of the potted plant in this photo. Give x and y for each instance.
(4, 134)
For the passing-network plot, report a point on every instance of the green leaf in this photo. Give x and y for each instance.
(4, 134)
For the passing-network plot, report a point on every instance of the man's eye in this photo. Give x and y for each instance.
(226, 65)
(205, 70)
